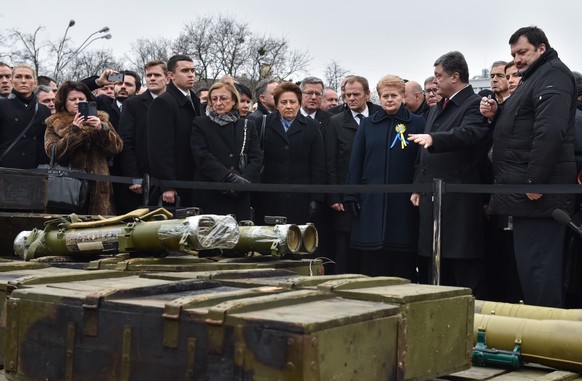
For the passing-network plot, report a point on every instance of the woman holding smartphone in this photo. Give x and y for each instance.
(83, 142)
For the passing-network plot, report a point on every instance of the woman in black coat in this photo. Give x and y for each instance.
(225, 149)
(293, 149)
(386, 224)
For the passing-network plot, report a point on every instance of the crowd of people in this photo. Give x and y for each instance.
(503, 246)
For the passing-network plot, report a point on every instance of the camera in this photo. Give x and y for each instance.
(87, 109)
(115, 77)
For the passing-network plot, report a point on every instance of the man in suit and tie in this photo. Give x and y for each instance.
(132, 129)
(169, 125)
(456, 138)
(338, 137)
(312, 96)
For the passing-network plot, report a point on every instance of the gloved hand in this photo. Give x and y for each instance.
(234, 178)
(352, 207)
(314, 210)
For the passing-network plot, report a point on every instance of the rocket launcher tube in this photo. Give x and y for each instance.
(189, 234)
(275, 240)
(527, 311)
(554, 343)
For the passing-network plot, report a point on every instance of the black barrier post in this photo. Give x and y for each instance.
(437, 199)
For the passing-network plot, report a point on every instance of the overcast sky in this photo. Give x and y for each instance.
(369, 38)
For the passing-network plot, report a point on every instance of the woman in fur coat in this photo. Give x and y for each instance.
(83, 143)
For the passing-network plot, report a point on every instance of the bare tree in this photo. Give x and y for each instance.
(196, 41)
(334, 74)
(27, 47)
(223, 46)
(145, 50)
(270, 57)
(91, 62)
(230, 50)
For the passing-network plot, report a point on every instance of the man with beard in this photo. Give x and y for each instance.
(121, 90)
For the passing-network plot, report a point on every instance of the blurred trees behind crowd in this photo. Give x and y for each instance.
(219, 45)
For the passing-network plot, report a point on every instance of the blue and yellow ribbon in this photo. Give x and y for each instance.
(400, 129)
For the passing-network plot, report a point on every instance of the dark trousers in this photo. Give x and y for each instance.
(459, 272)
(347, 260)
(386, 262)
(539, 253)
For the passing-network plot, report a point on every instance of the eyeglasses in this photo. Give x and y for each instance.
(221, 99)
(428, 91)
(312, 93)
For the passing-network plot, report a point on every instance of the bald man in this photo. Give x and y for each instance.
(414, 98)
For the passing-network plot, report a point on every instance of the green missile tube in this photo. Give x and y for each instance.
(187, 235)
(526, 311)
(309, 238)
(553, 343)
(270, 240)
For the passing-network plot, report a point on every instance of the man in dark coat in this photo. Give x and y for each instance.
(414, 98)
(5, 80)
(169, 126)
(133, 160)
(15, 114)
(124, 90)
(534, 144)
(455, 139)
(265, 101)
(338, 138)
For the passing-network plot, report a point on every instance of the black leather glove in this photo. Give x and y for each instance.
(314, 210)
(234, 178)
(352, 207)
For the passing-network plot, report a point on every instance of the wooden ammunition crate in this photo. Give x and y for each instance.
(137, 328)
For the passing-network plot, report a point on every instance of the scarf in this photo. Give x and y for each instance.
(223, 119)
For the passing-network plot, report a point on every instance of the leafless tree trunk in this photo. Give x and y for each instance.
(334, 74)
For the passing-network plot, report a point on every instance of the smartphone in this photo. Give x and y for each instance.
(115, 77)
(87, 109)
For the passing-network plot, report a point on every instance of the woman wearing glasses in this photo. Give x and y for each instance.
(225, 149)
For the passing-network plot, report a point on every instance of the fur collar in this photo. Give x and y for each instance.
(64, 119)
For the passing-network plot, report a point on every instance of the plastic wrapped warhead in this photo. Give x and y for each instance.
(20, 243)
(210, 231)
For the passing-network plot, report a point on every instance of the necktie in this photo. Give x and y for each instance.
(189, 97)
(446, 102)
(360, 117)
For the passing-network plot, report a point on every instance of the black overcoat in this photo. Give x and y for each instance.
(14, 117)
(386, 220)
(534, 139)
(461, 136)
(169, 128)
(292, 157)
(216, 150)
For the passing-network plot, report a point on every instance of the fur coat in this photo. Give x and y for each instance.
(85, 148)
